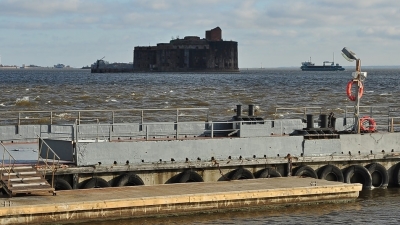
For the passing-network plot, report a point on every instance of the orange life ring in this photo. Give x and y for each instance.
(371, 124)
(348, 90)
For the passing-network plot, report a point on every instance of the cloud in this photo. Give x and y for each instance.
(42, 8)
(292, 27)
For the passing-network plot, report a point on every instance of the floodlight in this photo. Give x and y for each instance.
(349, 55)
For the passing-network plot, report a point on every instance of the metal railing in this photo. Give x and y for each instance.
(171, 130)
(106, 120)
(394, 124)
(7, 168)
(55, 161)
(81, 116)
(384, 116)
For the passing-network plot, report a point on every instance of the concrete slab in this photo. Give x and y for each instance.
(139, 201)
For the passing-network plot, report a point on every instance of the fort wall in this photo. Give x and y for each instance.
(189, 54)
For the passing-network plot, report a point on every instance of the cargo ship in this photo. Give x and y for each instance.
(127, 147)
(326, 66)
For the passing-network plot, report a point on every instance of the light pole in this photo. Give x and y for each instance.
(358, 78)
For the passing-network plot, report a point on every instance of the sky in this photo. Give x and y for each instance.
(270, 33)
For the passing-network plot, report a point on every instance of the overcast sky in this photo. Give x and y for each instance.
(280, 33)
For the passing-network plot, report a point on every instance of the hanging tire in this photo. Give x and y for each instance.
(331, 173)
(379, 175)
(128, 179)
(358, 174)
(396, 174)
(96, 182)
(188, 176)
(241, 174)
(268, 173)
(305, 171)
(61, 184)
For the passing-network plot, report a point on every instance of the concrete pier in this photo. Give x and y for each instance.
(141, 201)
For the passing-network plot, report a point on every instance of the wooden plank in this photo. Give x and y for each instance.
(27, 185)
(33, 190)
(24, 179)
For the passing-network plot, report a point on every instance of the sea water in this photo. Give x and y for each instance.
(63, 89)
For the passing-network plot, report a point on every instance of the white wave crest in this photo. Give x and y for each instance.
(23, 99)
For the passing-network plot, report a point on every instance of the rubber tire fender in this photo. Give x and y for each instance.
(188, 176)
(128, 179)
(268, 173)
(353, 169)
(241, 173)
(305, 171)
(396, 174)
(96, 182)
(331, 169)
(61, 184)
(376, 167)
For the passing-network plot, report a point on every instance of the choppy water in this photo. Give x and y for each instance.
(267, 89)
(78, 89)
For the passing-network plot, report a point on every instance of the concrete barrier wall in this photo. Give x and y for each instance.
(179, 150)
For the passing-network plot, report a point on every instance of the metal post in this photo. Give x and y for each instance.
(392, 126)
(212, 130)
(357, 105)
(177, 115)
(97, 131)
(113, 120)
(109, 133)
(177, 133)
(147, 133)
(76, 132)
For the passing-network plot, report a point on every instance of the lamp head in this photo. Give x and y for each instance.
(349, 55)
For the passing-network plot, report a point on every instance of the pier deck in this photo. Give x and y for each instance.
(141, 201)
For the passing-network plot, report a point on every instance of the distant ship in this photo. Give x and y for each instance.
(309, 66)
(327, 66)
(59, 66)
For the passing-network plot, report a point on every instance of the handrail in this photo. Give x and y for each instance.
(177, 130)
(55, 160)
(11, 164)
(50, 117)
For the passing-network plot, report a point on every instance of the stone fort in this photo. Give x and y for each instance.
(189, 54)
